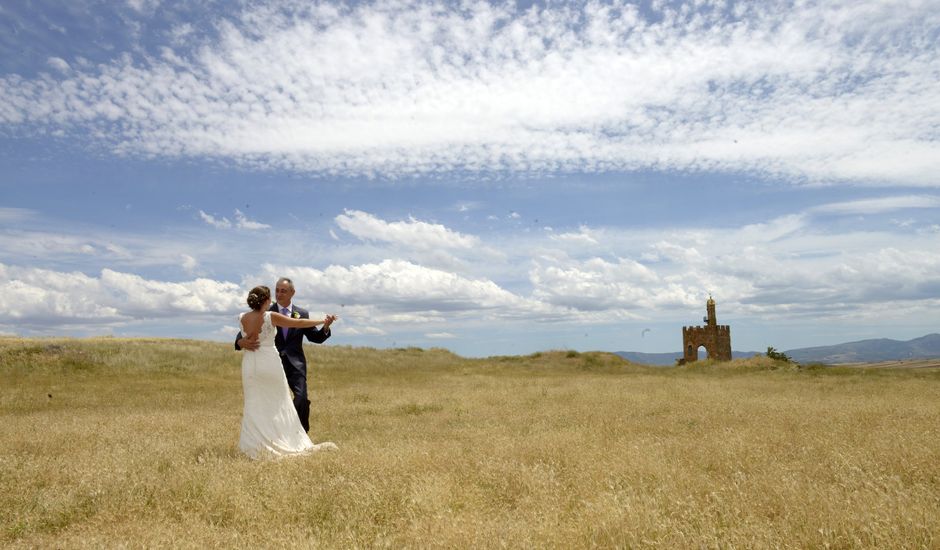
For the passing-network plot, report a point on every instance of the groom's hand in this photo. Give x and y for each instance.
(250, 344)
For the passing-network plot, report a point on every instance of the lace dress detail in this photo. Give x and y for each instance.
(270, 425)
(268, 331)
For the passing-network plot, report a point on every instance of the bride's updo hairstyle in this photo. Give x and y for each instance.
(258, 296)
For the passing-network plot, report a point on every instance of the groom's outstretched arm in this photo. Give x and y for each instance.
(317, 335)
(242, 343)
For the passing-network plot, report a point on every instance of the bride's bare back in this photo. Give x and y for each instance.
(253, 320)
(251, 323)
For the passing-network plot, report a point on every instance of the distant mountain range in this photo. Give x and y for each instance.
(863, 351)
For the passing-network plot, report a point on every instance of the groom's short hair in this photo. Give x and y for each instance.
(285, 280)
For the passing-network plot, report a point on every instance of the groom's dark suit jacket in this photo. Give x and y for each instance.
(293, 360)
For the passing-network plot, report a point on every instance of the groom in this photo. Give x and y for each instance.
(289, 343)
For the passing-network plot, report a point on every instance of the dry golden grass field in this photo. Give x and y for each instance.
(132, 443)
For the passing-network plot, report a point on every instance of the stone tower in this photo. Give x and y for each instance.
(716, 338)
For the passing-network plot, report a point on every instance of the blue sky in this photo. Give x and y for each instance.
(490, 179)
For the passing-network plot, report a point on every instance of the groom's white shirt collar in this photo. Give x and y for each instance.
(290, 307)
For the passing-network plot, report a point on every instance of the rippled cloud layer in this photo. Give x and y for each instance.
(807, 91)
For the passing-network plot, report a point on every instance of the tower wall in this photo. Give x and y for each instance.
(716, 339)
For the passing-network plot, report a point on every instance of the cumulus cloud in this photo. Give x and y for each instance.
(813, 91)
(402, 287)
(40, 296)
(412, 233)
(597, 285)
(787, 267)
(784, 268)
(850, 286)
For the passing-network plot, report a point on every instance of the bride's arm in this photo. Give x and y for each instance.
(284, 321)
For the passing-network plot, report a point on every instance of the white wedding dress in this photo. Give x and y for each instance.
(270, 425)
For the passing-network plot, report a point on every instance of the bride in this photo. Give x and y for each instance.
(270, 426)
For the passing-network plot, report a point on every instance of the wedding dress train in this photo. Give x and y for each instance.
(270, 425)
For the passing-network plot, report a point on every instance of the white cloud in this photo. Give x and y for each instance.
(40, 244)
(671, 251)
(402, 287)
(597, 285)
(51, 296)
(147, 297)
(775, 229)
(584, 236)
(178, 36)
(143, 6)
(189, 263)
(412, 233)
(439, 335)
(78, 246)
(815, 91)
(857, 284)
(59, 64)
(221, 223)
(45, 297)
(241, 221)
(362, 331)
(879, 205)
(791, 267)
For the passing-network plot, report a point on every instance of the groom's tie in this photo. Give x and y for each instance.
(284, 311)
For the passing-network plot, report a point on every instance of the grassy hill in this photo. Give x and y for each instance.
(111, 442)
